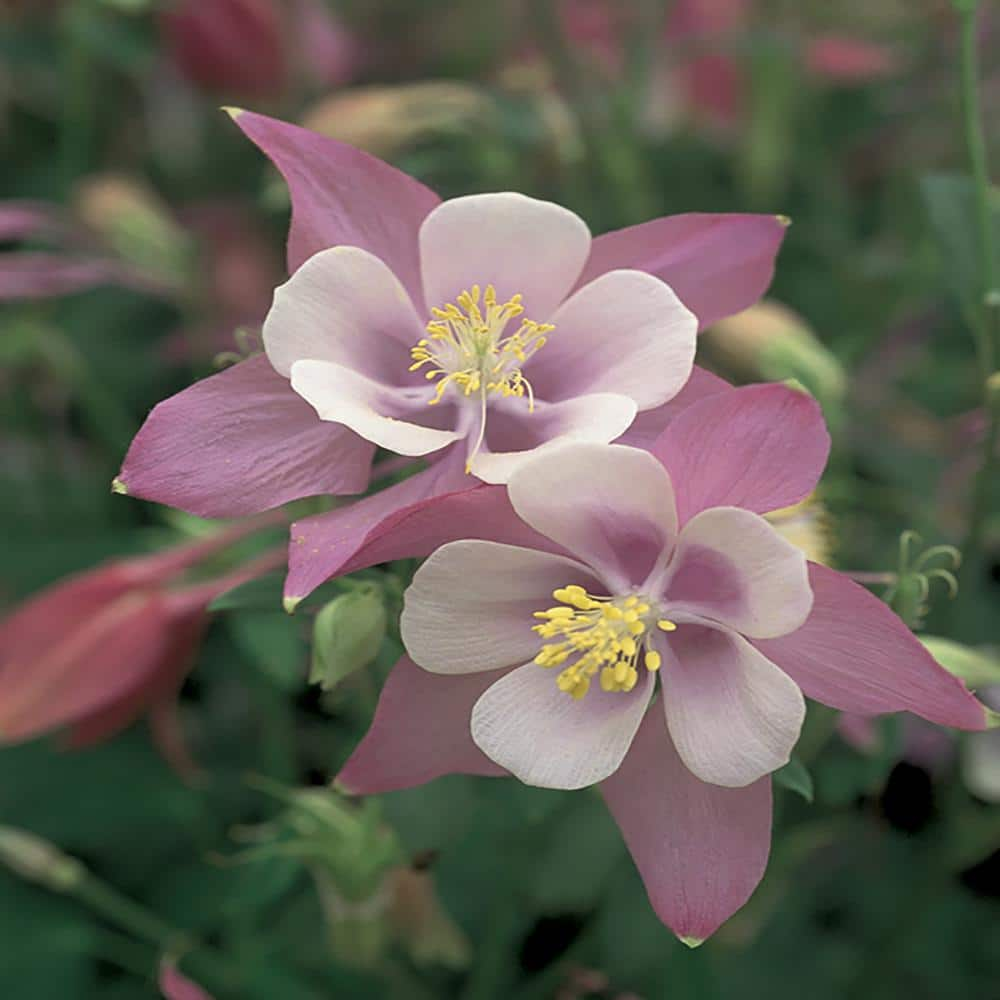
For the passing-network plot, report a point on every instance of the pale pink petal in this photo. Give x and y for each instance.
(344, 197)
(420, 732)
(240, 442)
(514, 433)
(374, 410)
(339, 540)
(471, 605)
(627, 333)
(519, 245)
(549, 739)
(855, 654)
(650, 424)
(732, 567)
(701, 850)
(343, 305)
(717, 264)
(761, 447)
(610, 506)
(733, 715)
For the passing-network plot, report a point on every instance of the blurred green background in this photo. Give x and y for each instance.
(140, 231)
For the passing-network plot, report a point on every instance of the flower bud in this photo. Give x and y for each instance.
(421, 922)
(807, 526)
(975, 667)
(347, 635)
(134, 223)
(229, 46)
(38, 860)
(387, 120)
(771, 342)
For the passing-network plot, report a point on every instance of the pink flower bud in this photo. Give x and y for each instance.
(229, 46)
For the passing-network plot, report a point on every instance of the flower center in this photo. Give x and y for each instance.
(606, 634)
(468, 346)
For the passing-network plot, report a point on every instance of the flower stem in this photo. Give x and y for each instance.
(986, 314)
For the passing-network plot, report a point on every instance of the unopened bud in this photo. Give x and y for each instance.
(771, 342)
(426, 930)
(975, 667)
(137, 226)
(359, 930)
(347, 635)
(807, 526)
(38, 860)
(388, 120)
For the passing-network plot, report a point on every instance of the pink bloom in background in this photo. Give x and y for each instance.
(741, 629)
(245, 440)
(713, 80)
(254, 48)
(75, 263)
(842, 59)
(96, 651)
(174, 985)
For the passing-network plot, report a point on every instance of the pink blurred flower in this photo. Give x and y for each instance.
(232, 46)
(245, 440)
(96, 651)
(713, 81)
(257, 48)
(842, 59)
(174, 985)
(688, 786)
(77, 263)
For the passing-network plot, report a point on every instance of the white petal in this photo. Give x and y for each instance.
(514, 434)
(343, 305)
(470, 606)
(733, 715)
(731, 566)
(546, 738)
(518, 244)
(347, 397)
(626, 332)
(611, 506)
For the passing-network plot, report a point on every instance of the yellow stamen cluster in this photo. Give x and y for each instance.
(606, 634)
(466, 346)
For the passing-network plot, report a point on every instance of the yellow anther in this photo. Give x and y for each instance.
(470, 348)
(602, 637)
(667, 625)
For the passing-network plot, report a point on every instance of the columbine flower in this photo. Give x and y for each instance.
(504, 358)
(545, 655)
(96, 651)
(245, 440)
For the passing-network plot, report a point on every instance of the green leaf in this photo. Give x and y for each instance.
(262, 594)
(796, 778)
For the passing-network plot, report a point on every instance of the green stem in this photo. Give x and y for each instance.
(984, 325)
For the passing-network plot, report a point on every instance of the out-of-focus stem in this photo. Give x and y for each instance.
(986, 315)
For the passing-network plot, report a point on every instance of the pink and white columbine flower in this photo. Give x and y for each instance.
(637, 599)
(541, 656)
(245, 440)
(504, 358)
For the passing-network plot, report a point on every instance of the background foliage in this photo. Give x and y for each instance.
(884, 886)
